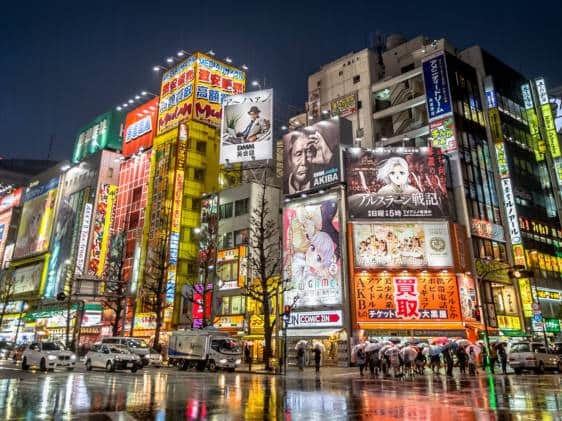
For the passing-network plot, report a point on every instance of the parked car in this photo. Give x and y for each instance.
(136, 345)
(112, 357)
(154, 358)
(17, 353)
(6, 349)
(47, 356)
(532, 356)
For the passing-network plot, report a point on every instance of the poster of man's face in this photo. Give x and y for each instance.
(311, 157)
(246, 130)
(396, 183)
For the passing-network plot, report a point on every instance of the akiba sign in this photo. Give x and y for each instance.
(331, 318)
(139, 128)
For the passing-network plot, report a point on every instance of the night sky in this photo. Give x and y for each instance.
(63, 63)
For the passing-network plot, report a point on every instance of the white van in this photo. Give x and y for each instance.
(135, 345)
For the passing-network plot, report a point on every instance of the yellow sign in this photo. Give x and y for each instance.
(551, 135)
(509, 322)
(112, 193)
(503, 168)
(496, 125)
(539, 146)
(548, 294)
(230, 321)
(526, 296)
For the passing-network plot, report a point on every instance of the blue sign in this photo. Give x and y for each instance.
(537, 317)
(436, 87)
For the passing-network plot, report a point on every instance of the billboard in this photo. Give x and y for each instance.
(246, 130)
(442, 133)
(550, 128)
(102, 224)
(398, 245)
(311, 156)
(5, 218)
(395, 183)
(10, 200)
(195, 89)
(391, 298)
(436, 87)
(104, 132)
(344, 105)
(28, 278)
(36, 220)
(312, 251)
(140, 127)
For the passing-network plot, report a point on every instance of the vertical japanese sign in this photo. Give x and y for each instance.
(103, 132)
(503, 168)
(83, 241)
(246, 131)
(102, 225)
(539, 146)
(514, 233)
(436, 87)
(442, 133)
(431, 297)
(546, 110)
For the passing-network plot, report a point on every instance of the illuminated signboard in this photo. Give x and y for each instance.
(509, 322)
(511, 212)
(344, 106)
(396, 182)
(486, 229)
(551, 135)
(140, 125)
(501, 158)
(102, 224)
(549, 294)
(83, 242)
(467, 295)
(312, 251)
(36, 221)
(539, 146)
(333, 318)
(246, 131)
(436, 87)
(442, 134)
(552, 325)
(196, 88)
(104, 132)
(27, 279)
(431, 297)
(401, 245)
(495, 125)
(11, 200)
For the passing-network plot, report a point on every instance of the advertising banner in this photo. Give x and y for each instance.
(396, 182)
(140, 128)
(36, 220)
(5, 218)
(28, 278)
(344, 105)
(311, 157)
(436, 87)
(83, 241)
(546, 110)
(511, 212)
(104, 132)
(332, 318)
(431, 297)
(442, 133)
(468, 298)
(246, 130)
(102, 224)
(10, 200)
(196, 88)
(312, 251)
(396, 245)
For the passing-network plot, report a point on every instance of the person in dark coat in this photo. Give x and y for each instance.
(317, 358)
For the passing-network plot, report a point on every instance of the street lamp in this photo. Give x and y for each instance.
(23, 307)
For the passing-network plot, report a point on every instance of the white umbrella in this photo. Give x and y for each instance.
(371, 347)
(383, 350)
(392, 351)
(409, 353)
(319, 345)
(301, 344)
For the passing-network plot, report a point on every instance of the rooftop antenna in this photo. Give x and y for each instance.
(51, 141)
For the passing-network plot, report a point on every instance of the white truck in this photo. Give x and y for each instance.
(204, 348)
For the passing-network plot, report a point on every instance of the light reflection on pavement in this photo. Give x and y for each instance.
(337, 395)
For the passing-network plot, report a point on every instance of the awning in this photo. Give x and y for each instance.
(312, 333)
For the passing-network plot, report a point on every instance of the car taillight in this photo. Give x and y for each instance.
(532, 358)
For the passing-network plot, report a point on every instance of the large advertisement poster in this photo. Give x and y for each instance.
(312, 252)
(246, 131)
(102, 224)
(5, 218)
(431, 297)
(10, 200)
(311, 157)
(140, 127)
(436, 87)
(395, 245)
(36, 219)
(396, 183)
(103, 132)
(28, 278)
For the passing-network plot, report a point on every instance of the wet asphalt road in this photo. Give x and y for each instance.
(337, 394)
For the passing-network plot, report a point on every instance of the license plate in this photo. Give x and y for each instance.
(129, 365)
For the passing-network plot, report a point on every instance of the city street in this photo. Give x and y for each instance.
(338, 393)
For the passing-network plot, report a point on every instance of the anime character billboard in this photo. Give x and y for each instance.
(312, 252)
(396, 183)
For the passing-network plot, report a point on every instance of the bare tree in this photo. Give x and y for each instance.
(115, 285)
(155, 287)
(264, 283)
(7, 290)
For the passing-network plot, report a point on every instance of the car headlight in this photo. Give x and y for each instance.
(51, 357)
(222, 361)
(73, 357)
(159, 357)
(238, 361)
(117, 358)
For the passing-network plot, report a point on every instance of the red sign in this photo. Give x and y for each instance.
(197, 312)
(140, 127)
(10, 200)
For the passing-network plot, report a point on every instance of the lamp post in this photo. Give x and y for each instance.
(23, 307)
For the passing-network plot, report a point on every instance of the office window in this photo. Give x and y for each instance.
(241, 237)
(241, 207)
(202, 147)
(199, 174)
(356, 78)
(226, 210)
(196, 204)
(227, 240)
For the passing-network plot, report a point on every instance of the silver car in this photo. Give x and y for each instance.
(112, 357)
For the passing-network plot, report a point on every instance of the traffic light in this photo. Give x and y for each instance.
(287, 312)
(519, 273)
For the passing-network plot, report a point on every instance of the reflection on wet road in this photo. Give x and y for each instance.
(170, 394)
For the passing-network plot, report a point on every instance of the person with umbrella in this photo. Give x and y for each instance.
(502, 355)
(317, 357)
(301, 345)
(361, 360)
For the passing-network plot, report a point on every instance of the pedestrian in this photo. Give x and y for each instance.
(248, 356)
(361, 360)
(317, 358)
(493, 358)
(502, 354)
(373, 359)
(462, 358)
(448, 361)
(471, 362)
(300, 358)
